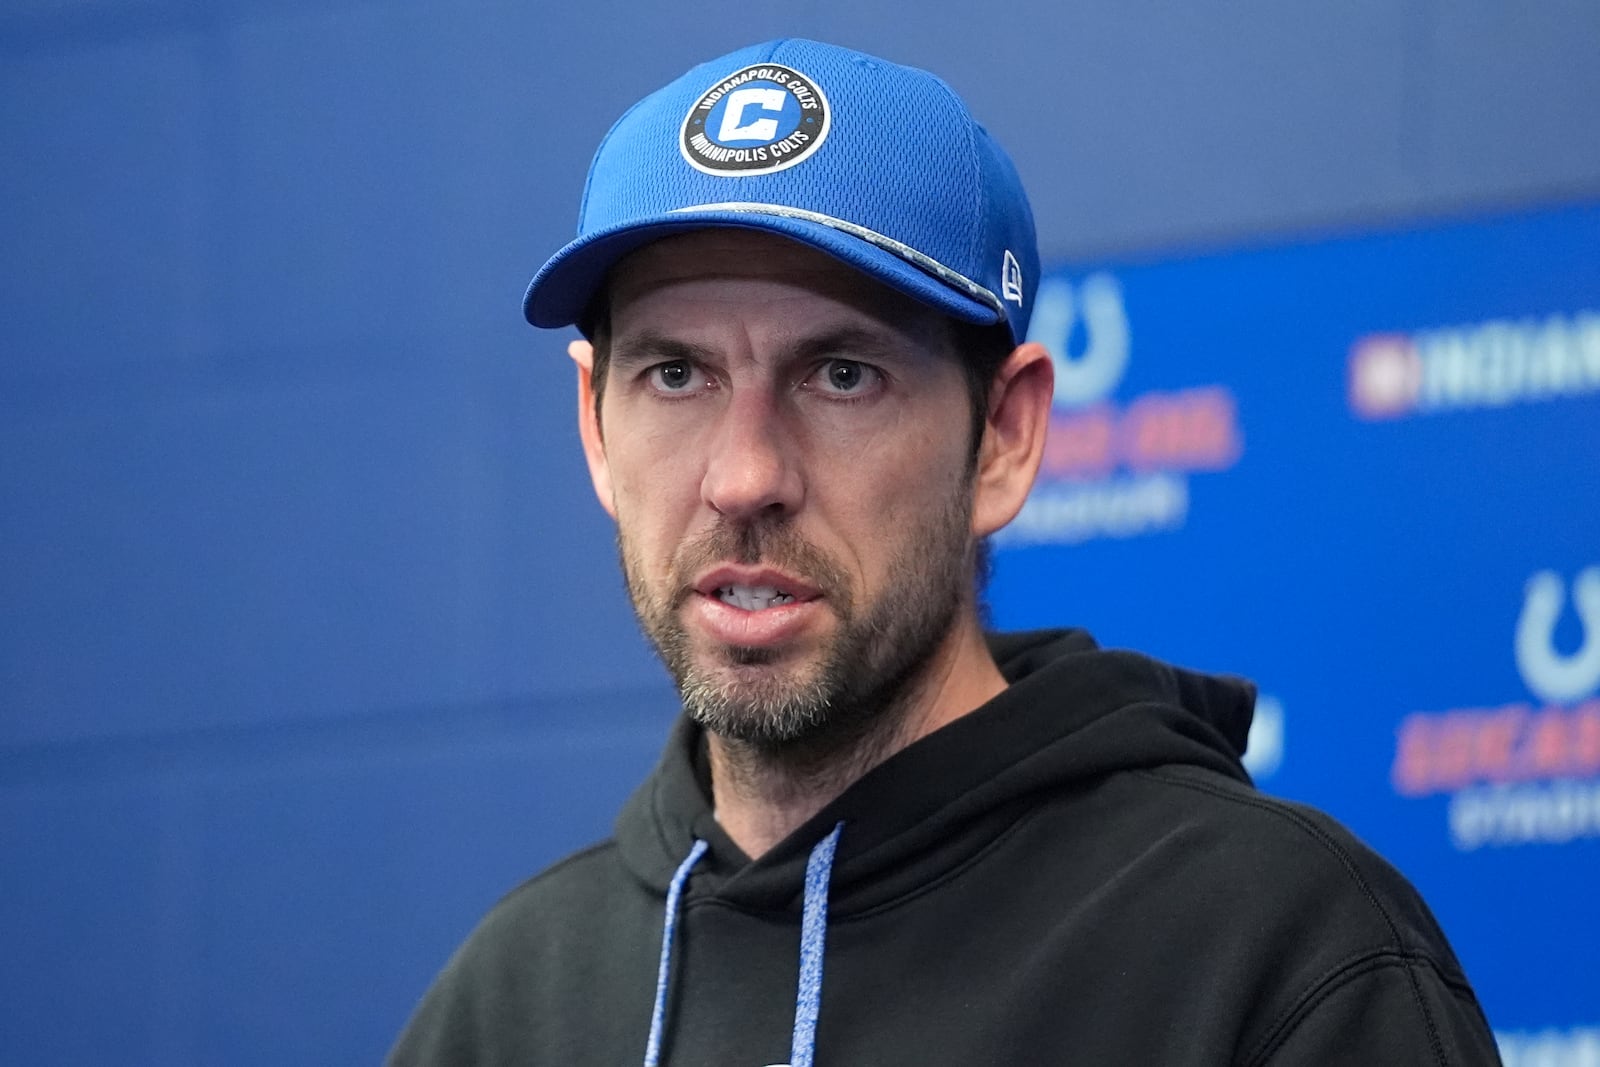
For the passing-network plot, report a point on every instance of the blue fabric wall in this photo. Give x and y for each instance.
(311, 640)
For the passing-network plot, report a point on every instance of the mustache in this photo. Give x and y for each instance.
(760, 542)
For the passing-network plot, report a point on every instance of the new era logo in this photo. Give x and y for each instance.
(1011, 279)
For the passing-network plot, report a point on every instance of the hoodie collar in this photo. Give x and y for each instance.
(1072, 713)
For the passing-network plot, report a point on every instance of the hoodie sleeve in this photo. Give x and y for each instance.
(561, 971)
(448, 1028)
(1387, 1009)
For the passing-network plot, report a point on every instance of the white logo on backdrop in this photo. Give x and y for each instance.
(1551, 675)
(1552, 1047)
(1560, 800)
(1480, 365)
(1263, 752)
(1058, 307)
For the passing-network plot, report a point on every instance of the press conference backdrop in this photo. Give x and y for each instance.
(311, 641)
(1365, 473)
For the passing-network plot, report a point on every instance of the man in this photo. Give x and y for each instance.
(877, 836)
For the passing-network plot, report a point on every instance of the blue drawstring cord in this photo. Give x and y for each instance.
(813, 936)
(658, 1016)
(813, 944)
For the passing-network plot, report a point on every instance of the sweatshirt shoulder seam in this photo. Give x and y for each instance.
(1344, 859)
(1329, 983)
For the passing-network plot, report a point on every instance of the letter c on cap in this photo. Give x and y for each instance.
(733, 127)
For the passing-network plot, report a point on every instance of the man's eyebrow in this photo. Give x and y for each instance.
(849, 342)
(648, 346)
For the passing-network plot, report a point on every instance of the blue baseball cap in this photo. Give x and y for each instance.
(877, 164)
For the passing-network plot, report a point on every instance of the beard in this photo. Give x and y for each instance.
(859, 681)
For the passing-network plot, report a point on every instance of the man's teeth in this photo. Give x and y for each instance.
(753, 597)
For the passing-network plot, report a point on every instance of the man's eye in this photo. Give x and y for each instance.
(673, 377)
(846, 376)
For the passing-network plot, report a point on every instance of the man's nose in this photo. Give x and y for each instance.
(753, 466)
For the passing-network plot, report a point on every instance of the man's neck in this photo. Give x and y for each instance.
(762, 795)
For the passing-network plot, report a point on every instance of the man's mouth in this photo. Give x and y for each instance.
(755, 606)
(753, 597)
(754, 588)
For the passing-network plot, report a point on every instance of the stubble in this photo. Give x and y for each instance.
(855, 690)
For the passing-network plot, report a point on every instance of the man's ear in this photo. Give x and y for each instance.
(594, 450)
(1013, 436)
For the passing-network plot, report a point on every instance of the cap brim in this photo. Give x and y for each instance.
(564, 287)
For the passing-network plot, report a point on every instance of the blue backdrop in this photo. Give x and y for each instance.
(311, 640)
(1366, 473)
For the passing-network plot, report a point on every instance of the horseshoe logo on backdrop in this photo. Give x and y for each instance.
(1083, 379)
(1552, 676)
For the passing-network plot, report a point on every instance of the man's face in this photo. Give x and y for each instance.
(785, 450)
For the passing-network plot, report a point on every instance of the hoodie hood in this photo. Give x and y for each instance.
(1071, 715)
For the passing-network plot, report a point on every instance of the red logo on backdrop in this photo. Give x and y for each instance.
(1385, 376)
(1524, 772)
(1186, 430)
(1449, 751)
(1114, 469)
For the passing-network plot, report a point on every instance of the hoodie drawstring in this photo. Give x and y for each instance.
(813, 945)
(658, 1015)
(813, 936)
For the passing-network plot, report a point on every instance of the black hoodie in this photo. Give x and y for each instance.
(1078, 872)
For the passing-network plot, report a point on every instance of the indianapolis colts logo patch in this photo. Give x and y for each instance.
(761, 119)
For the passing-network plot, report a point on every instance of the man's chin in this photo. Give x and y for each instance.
(763, 703)
(758, 677)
